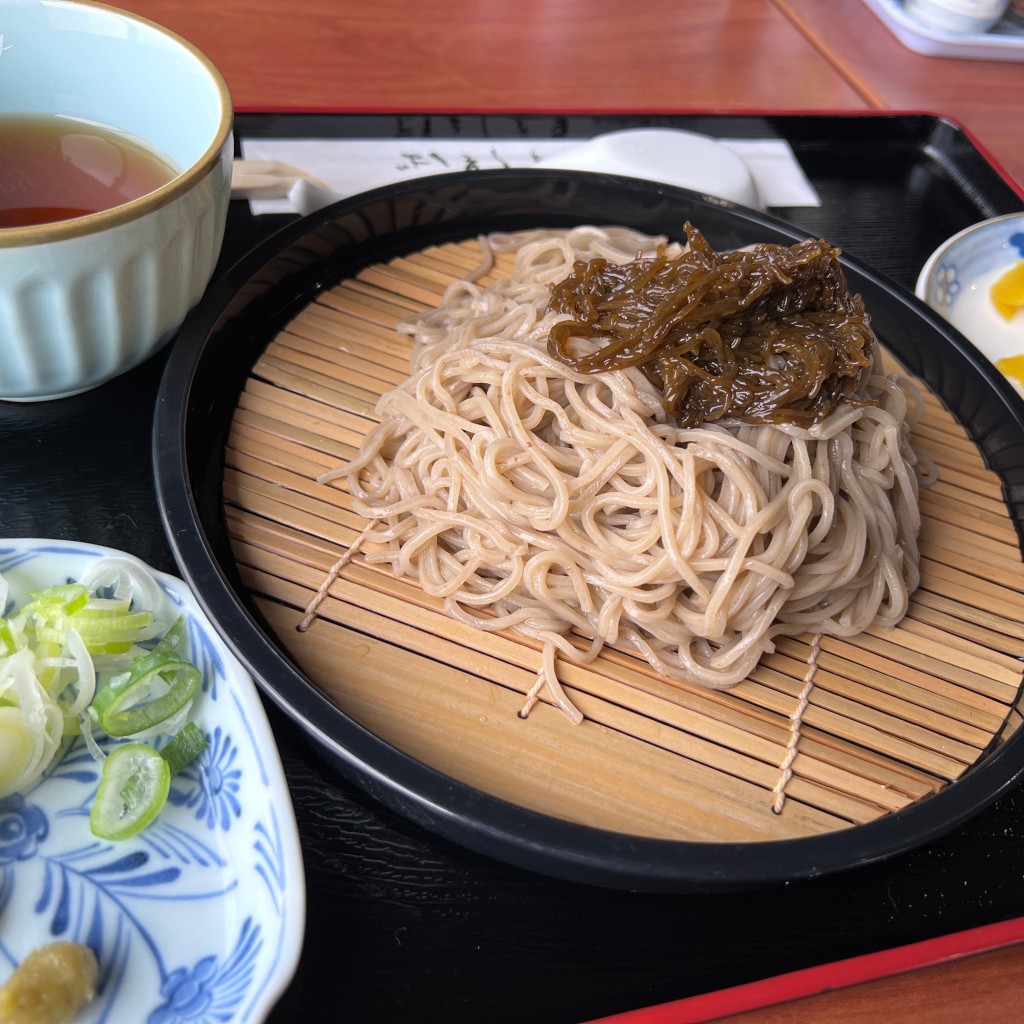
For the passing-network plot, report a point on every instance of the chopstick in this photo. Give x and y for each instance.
(267, 179)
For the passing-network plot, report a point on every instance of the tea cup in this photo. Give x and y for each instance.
(89, 296)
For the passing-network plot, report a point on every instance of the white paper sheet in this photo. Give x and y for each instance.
(350, 166)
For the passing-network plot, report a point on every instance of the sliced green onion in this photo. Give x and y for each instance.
(111, 647)
(106, 626)
(85, 727)
(72, 661)
(8, 641)
(75, 695)
(184, 747)
(31, 724)
(69, 597)
(121, 627)
(173, 638)
(20, 747)
(103, 607)
(51, 630)
(110, 631)
(133, 790)
(156, 687)
(125, 579)
(136, 707)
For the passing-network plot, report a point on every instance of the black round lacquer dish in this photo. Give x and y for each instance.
(240, 314)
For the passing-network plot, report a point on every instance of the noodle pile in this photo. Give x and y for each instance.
(573, 509)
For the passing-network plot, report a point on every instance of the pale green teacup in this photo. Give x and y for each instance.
(86, 298)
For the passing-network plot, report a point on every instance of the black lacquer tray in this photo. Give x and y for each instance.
(402, 922)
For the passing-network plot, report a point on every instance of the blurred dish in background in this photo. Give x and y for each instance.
(1003, 41)
(966, 16)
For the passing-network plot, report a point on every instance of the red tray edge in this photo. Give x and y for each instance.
(838, 974)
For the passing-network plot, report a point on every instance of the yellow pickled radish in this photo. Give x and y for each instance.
(1008, 291)
(1012, 367)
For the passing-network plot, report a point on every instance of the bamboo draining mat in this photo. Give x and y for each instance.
(893, 716)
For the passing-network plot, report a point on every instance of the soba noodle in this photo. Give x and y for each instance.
(570, 508)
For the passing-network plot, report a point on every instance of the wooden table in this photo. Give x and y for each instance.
(663, 55)
(984, 97)
(603, 56)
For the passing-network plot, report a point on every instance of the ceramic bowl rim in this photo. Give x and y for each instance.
(179, 185)
(922, 287)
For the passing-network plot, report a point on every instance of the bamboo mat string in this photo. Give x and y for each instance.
(332, 574)
(547, 679)
(796, 723)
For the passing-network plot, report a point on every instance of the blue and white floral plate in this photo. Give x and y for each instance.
(958, 276)
(200, 917)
